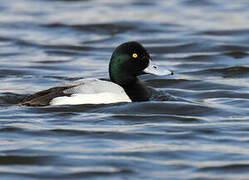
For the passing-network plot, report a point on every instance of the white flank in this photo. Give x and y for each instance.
(100, 98)
(92, 91)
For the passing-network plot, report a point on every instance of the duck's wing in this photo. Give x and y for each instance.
(43, 98)
(84, 91)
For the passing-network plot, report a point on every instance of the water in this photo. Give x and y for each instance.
(201, 132)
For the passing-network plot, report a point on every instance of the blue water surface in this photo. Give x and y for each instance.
(195, 128)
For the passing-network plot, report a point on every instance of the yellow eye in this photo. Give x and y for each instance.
(134, 55)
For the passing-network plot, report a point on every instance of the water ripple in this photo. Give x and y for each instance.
(194, 127)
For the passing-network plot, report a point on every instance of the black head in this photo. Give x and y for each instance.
(128, 61)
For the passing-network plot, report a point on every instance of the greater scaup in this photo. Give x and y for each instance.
(128, 61)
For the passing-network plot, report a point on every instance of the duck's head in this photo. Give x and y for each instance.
(130, 60)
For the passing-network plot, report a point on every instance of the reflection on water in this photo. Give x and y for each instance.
(196, 126)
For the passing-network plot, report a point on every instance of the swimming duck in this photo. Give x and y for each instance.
(128, 61)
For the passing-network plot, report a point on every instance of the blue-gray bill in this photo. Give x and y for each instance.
(156, 70)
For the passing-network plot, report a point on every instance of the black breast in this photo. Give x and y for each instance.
(138, 91)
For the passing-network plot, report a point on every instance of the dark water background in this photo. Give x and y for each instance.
(201, 133)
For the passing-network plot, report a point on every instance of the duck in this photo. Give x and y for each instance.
(128, 61)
